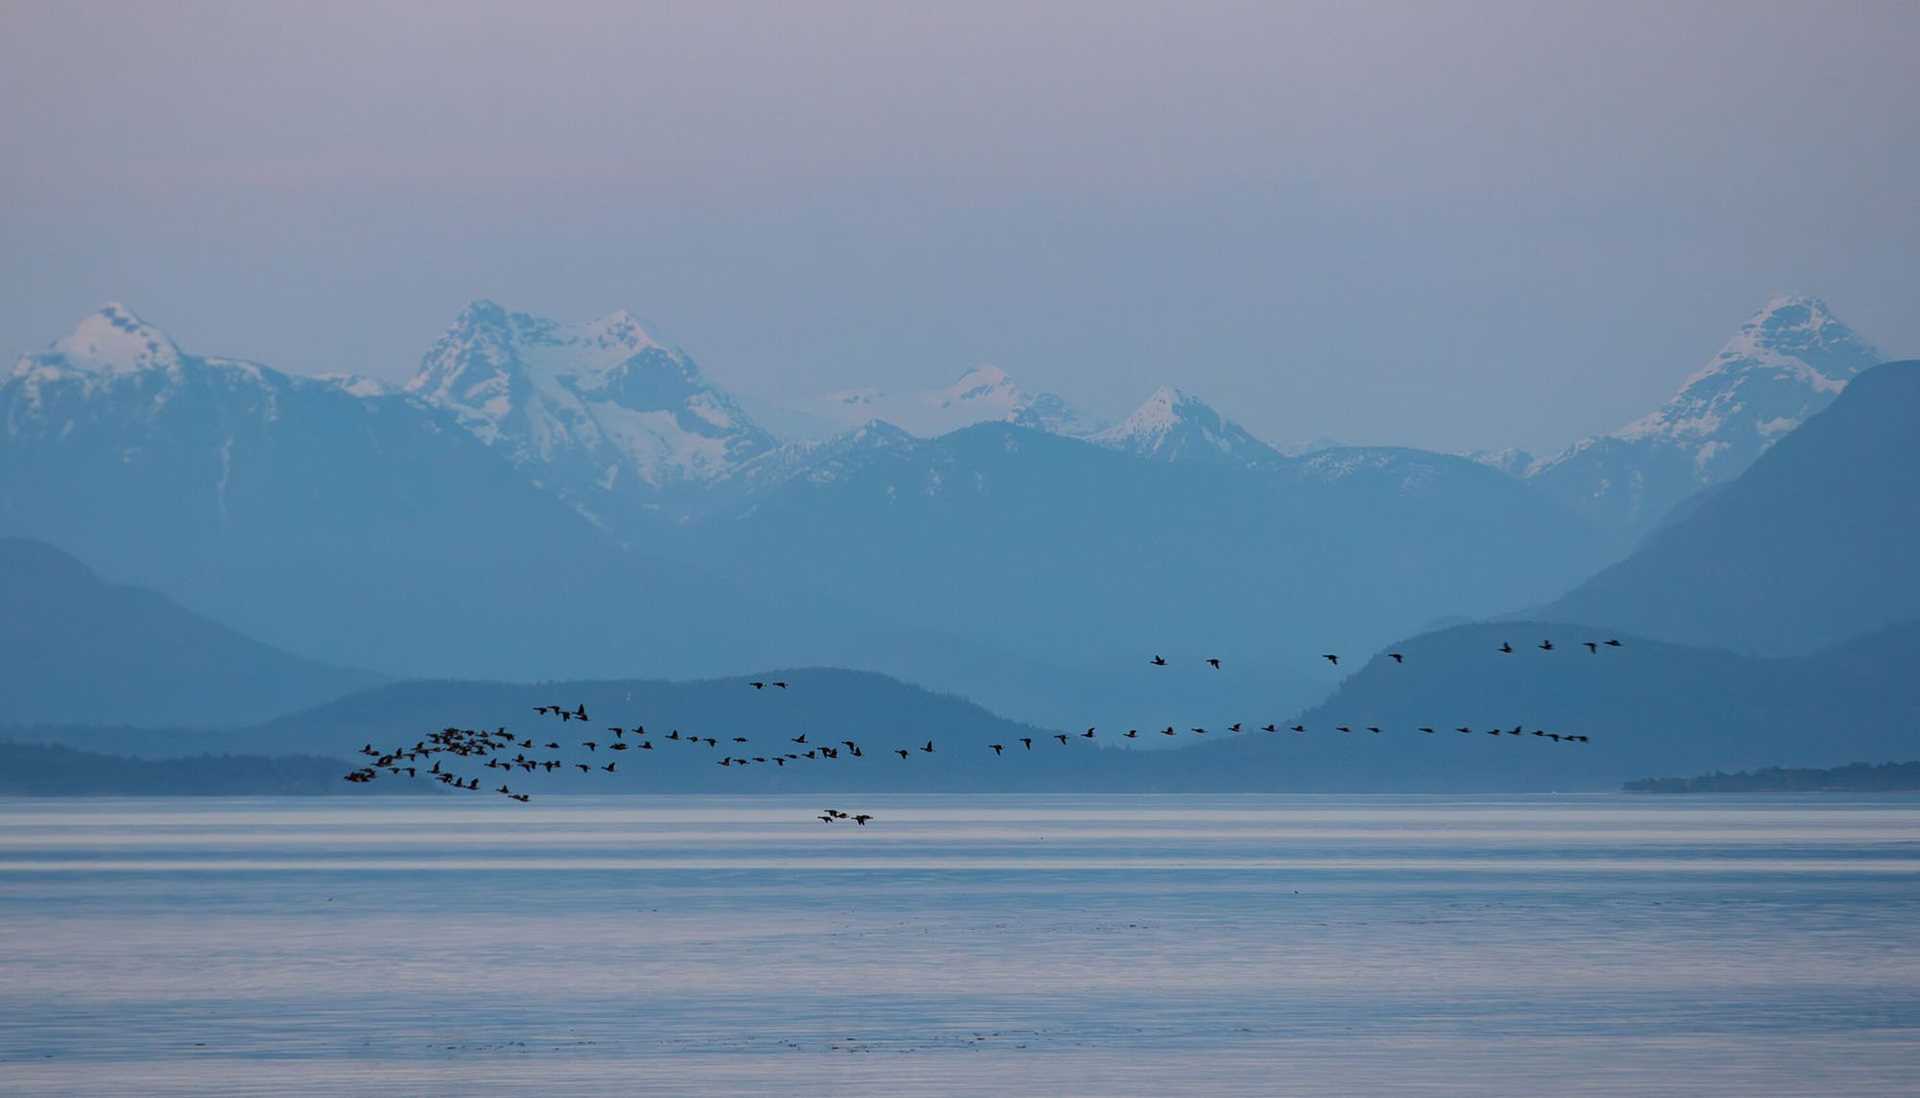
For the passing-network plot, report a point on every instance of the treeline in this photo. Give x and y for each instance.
(45, 770)
(1852, 778)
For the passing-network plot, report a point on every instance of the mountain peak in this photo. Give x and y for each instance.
(1788, 361)
(1172, 424)
(983, 394)
(114, 340)
(602, 399)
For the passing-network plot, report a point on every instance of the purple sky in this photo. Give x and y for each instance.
(1444, 225)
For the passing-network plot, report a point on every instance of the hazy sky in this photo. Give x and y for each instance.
(1447, 225)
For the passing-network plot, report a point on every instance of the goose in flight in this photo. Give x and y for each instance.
(928, 748)
(1611, 643)
(1159, 661)
(997, 748)
(1331, 658)
(902, 752)
(758, 685)
(1592, 647)
(1506, 648)
(1397, 657)
(1546, 646)
(862, 819)
(1131, 733)
(1062, 737)
(1028, 741)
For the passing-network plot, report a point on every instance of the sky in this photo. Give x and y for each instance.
(1446, 225)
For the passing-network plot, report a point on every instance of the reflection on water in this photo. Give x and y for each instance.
(1004, 945)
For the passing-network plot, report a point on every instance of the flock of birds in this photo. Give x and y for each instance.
(489, 748)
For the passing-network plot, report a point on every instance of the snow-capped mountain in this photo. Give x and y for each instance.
(117, 373)
(599, 412)
(1788, 361)
(984, 394)
(1175, 426)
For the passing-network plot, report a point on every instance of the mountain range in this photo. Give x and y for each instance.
(548, 500)
(1658, 702)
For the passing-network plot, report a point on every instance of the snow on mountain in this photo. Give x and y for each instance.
(596, 411)
(115, 364)
(1788, 361)
(1173, 426)
(983, 394)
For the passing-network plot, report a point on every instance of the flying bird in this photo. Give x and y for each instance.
(1213, 663)
(997, 747)
(1330, 658)
(1397, 657)
(1506, 648)
(1158, 661)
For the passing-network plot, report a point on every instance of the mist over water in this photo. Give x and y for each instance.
(1059, 945)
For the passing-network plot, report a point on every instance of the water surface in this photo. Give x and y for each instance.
(962, 945)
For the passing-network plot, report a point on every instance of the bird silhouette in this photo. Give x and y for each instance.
(1611, 643)
(1062, 737)
(781, 685)
(1506, 647)
(1341, 728)
(1213, 663)
(1299, 728)
(928, 748)
(862, 819)
(1592, 647)
(826, 819)
(801, 738)
(1087, 735)
(1234, 727)
(1330, 658)
(1158, 661)
(1131, 733)
(997, 747)
(902, 752)
(1397, 657)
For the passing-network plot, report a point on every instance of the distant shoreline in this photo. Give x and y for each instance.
(1893, 777)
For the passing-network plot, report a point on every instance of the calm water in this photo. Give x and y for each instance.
(962, 945)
